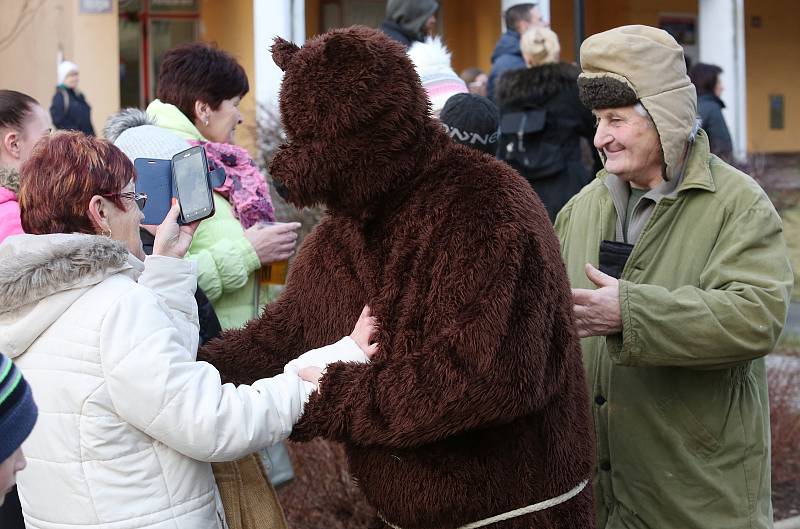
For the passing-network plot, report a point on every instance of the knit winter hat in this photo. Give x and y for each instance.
(135, 135)
(472, 120)
(17, 410)
(64, 69)
(432, 62)
(630, 64)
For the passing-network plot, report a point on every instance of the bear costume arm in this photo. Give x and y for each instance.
(497, 337)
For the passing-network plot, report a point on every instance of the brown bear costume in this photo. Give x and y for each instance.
(475, 404)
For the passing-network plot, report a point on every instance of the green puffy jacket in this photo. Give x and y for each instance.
(679, 398)
(226, 260)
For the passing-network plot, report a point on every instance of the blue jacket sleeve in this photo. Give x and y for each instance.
(501, 65)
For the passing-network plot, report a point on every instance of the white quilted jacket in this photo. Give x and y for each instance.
(128, 419)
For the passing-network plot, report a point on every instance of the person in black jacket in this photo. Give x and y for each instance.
(69, 108)
(542, 122)
(409, 21)
(705, 78)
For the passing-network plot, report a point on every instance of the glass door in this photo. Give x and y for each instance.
(147, 29)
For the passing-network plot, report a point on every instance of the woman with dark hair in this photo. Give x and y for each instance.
(107, 338)
(199, 91)
(705, 78)
(22, 122)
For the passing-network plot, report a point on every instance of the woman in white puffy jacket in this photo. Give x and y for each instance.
(129, 421)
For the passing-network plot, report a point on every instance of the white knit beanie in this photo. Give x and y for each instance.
(432, 61)
(149, 141)
(64, 69)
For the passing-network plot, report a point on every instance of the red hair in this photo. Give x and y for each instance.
(65, 170)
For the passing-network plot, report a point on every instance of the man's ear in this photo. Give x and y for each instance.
(11, 143)
(282, 52)
(98, 213)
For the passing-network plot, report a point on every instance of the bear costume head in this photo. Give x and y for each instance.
(361, 133)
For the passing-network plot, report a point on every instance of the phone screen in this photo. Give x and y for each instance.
(191, 181)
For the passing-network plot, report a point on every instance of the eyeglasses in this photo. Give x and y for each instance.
(139, 198)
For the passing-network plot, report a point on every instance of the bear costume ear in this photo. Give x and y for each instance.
(282, 52)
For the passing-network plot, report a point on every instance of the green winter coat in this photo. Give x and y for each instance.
(679, 398)
(226, 260)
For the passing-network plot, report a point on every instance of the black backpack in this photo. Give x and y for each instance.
(525, 144)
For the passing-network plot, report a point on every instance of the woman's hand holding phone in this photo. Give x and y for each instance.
(173, 239)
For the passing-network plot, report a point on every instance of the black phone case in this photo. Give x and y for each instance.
(613, 256)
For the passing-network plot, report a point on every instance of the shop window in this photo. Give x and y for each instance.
(343, 13)
(147, 29)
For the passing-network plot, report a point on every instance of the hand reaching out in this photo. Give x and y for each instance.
(362, 335)
(364, 330)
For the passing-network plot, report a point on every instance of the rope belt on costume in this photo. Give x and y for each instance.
(542, 505)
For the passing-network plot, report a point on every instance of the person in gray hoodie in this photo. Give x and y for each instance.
(409, 21)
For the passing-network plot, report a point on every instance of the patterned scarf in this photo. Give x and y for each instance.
(244, 187)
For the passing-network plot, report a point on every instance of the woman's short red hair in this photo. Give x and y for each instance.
(65, 170)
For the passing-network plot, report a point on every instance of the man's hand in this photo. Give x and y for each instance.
(597, 312)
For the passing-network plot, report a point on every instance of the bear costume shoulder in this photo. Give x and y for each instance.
(475, 404)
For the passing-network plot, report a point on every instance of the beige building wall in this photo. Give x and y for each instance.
(772, 48)
(30, 58)
(230, 25)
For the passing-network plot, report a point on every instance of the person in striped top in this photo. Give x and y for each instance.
(17, 416)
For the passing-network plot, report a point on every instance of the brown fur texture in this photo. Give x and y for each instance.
(476, 401)
(605, 92)
(323, 494)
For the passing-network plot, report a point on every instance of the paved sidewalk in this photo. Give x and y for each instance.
(793, 321)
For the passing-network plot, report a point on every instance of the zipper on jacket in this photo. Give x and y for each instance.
(659, 210)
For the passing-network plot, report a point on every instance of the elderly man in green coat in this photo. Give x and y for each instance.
(693, 292)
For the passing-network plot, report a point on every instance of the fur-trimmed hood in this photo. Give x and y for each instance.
(42, 275)
(125, 119)
(357, 121)
(9, 178)
(535, 85)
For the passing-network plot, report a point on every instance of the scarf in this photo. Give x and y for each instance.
(244, 186)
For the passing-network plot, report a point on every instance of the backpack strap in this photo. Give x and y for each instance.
(65, 97)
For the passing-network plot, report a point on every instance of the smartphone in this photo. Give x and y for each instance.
(154, 177)
(192, 187)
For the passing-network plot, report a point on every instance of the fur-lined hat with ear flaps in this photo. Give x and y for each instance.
(630, 64)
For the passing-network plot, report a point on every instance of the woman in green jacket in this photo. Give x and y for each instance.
(199, 90)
